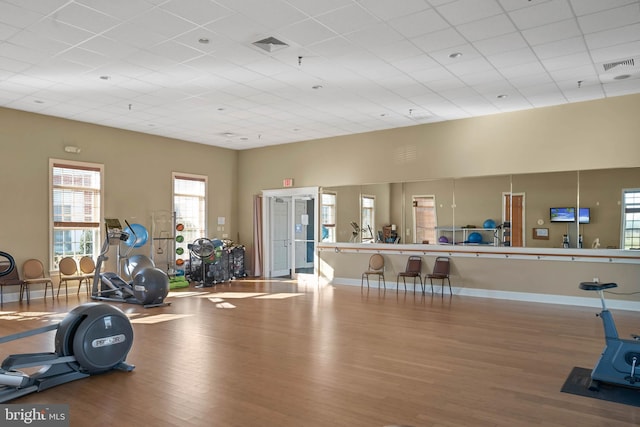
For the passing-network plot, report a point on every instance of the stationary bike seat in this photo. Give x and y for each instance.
(595, 286)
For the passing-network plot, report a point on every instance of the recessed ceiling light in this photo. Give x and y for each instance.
(455, 55)
(203, 40)
(37, 101)
(502, 96)
(316, 87)
(244, 138)
(105, 77)
(228, 134)
(622, 77)
(221, 109)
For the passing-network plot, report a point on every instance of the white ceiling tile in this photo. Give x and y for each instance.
(513, 57)
(86, 18)
(420, 23)
(541, 14)
(17, 16)
(560, 48)
(374, 35)
(586, 7)
(439, 40)
(604, 39)
(315, 7)
(487, 28)
(552, 32)
(347, 19)
(387, 10)
(198, 11)
(121, 9)
(610, 19)
(271, 14)
(463, 11)
(616, 53)
(503, 43)
(161, 22)
(306, 32)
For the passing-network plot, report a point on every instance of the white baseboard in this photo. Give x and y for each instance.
(509, 295)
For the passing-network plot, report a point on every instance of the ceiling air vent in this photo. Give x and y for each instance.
(270, 44)
(623, 63)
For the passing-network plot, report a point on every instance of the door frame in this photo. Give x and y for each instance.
(267, 196)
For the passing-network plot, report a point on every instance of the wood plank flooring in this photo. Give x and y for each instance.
(336, 357)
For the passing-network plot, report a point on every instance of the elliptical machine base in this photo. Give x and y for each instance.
(93, 338)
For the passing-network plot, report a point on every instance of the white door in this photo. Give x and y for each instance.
(280, 236)
(290, 234)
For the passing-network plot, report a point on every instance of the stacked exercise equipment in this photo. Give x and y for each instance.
(92, 339)
(214, 261)
(149, 285)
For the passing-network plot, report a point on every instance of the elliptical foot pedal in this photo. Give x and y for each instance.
(596, 286)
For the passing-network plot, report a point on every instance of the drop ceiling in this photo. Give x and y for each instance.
(189, 69)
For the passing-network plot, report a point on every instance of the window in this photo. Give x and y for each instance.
(189, 204)
(367, 217)
(328, 217)
(630, 219)
(424, 219)
(76, 210)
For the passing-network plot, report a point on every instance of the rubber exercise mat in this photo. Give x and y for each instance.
(578, 383)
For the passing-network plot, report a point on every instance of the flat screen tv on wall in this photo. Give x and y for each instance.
(562, 214)
(584, 215)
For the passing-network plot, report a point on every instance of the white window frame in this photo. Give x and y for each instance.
(202, 232)
(331, 227)
(634, 208)
(364, 231)
(98, 228)
(433, 239)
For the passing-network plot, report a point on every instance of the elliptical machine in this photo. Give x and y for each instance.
(92, 339)
(149, 286)
(620, 360)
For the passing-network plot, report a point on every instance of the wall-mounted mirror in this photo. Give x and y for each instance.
(528, 210)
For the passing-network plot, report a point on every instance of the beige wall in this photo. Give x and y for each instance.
(588, 135)
(137, 175)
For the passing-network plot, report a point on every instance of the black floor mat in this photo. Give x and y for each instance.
(578, 383)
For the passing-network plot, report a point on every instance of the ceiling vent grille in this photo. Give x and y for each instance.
(623, 63)
(270, 44)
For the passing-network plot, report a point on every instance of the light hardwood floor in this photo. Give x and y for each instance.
(336, 357)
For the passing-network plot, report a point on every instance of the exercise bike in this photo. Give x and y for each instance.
(149, 286)
(93, 338)
(620, 360)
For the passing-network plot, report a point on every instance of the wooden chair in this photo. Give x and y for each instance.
(414, 270)
(33, 273)
(87, 270)
(376, 267)
(68, 271)
(9, 276)
(441, 270)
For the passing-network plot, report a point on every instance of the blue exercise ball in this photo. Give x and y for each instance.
(217, 243)
(138, 237)
(489, 224)
(475, 237)
(443, 239)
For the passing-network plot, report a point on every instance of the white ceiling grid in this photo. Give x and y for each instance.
(351, 66)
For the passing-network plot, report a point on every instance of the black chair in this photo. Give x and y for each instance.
(413, 270)
(441, 270)
(376, 268)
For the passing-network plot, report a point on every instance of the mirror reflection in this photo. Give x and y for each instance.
(573, 209)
